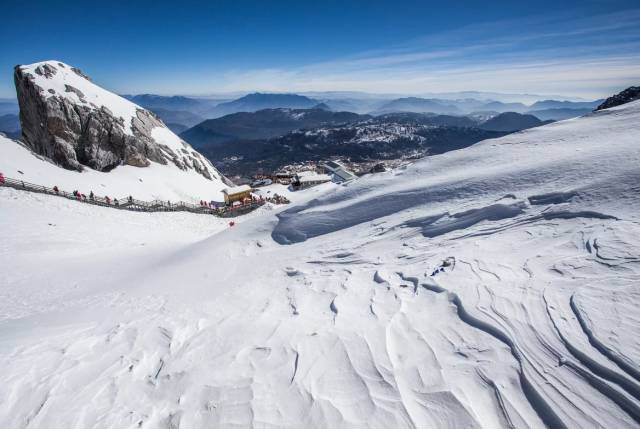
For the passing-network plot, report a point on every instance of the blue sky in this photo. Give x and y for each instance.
(575, 48)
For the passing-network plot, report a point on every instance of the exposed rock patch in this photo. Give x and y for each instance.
(628, 95)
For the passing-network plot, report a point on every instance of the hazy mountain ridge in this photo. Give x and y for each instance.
(259, 101)
(363, 103)
(184, 114)
(511, 121)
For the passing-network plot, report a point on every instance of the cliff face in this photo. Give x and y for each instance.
(69, 119)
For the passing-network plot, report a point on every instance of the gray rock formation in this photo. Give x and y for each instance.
(628, 95)
(81, 134)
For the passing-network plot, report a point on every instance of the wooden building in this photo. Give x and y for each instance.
(236, 193)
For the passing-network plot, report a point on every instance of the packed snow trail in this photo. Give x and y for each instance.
(494, 286)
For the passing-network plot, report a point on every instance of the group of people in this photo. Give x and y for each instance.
(212, 205)
(92, 197)
(208, 205)
(277, 199)
(79, 196)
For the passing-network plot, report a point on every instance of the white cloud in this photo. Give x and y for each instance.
(587, 57)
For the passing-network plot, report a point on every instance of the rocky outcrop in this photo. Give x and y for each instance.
(75, 127)
(628, 95)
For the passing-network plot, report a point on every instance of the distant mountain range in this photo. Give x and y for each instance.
(559, 114)
(178, 120)
(10, 125)
(511, 122)
(263, 124)
(205, 108)
(412, 118)
(193, 116)
(9, 107)
(269, 139)
(176, 102)
(419, 105)
(554, 104)
(179, 113)
(260, 101)
(360, 142)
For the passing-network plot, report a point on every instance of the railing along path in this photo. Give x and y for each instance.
(132, 204)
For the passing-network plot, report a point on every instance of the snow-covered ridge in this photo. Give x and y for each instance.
(371, 132)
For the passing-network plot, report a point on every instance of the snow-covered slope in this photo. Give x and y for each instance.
(494, 286)
(157, 181)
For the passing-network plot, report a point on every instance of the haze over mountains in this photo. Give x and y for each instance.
(263, 132)
(182, 112)
(240, 128)
(236, 133)
(354, 102)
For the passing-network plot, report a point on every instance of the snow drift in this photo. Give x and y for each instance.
(494, 286)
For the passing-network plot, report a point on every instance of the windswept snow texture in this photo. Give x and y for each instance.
(494, 286)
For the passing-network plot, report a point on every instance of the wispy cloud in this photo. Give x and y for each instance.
(576, 56)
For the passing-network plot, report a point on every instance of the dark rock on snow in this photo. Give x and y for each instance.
(628, 95)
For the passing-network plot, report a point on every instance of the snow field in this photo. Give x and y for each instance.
(493, 286)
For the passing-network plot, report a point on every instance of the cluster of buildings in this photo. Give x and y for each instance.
(302, 176)
(330, 171)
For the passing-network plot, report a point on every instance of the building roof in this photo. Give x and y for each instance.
(237, 189)
(344, 175)
(314, 178)
(332, 165)
(340, 171)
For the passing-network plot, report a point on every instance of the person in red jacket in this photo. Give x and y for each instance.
(1, 179)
